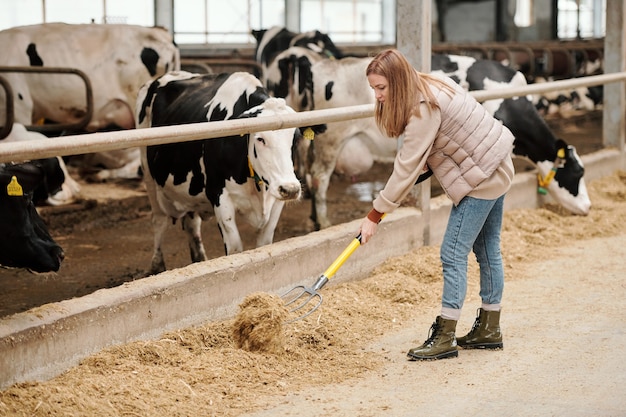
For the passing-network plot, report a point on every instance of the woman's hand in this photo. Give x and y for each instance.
(367, 230)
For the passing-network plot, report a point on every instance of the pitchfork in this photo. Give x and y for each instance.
(300, 296)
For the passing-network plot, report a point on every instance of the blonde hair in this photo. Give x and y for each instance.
(406, 87)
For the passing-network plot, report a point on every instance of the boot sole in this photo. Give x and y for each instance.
(491, 346)
(444, 355)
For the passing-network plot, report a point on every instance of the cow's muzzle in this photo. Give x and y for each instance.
(289, 191)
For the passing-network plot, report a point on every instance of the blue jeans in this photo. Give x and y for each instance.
(474, 224)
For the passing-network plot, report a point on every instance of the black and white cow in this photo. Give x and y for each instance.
(330, 83)
(534, 140)
(567, 102)
(117, 58)
(24, 238)
(251, 174)
(272, 41)
(289, 76)
(336, 83)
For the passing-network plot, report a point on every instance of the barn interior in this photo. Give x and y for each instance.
(553, 39)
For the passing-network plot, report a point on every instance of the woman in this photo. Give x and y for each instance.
(448, 133)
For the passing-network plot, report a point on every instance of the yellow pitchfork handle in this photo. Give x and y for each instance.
(341, 259)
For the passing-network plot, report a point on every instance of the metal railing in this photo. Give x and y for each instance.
(108, 141)
(52, 127)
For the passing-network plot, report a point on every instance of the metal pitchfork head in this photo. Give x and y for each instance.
(298, 298)
(302, 298)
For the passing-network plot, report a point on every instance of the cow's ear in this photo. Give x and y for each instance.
(258, 34)
(309, 132)
(53, 178)
(319, 128)
(28, 175)
(560, 143)
(314, 129)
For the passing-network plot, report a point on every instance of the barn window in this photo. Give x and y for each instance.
(136, 12)
(31, 12)
(70, 11)
(346, 21)
(224, 22)
(24, 12)
(230, 22)
(581, 19)
(219, 22)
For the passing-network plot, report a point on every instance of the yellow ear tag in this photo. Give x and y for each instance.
(308, 134)
(561, 153)
(14, 188)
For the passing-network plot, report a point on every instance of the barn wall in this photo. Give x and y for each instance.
(471, 22)
(540, 30)
(475, 22)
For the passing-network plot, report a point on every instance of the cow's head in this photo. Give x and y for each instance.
(24, 238)
(270, 153)
(273, 41)
(536, 142)
(568, 187)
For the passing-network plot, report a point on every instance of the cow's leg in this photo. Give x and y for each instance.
(225, 216)
(160, 222)
(159, 226)
(123, 164)
(192, 225)
(265, 234)
(321, 171)
(128, 172)
(70, 189)
(320, 191)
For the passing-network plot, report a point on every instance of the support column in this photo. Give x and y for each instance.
(292, 15)
(164, 14)
(614, 109)
(414, 40)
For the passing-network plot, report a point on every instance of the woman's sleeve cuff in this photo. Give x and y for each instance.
(374, 216)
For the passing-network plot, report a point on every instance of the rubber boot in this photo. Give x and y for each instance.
(485, 333)
(441, 342)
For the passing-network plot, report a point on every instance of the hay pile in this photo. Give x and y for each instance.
(258, 327)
